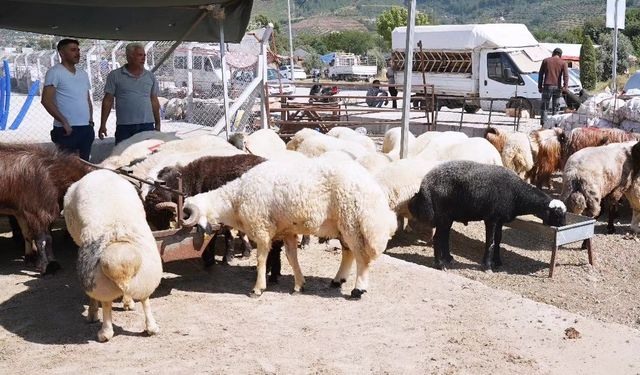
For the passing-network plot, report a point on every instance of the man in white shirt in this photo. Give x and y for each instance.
(66, 98)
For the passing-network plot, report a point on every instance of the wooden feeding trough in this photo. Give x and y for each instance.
(182, 242)
(577, 228)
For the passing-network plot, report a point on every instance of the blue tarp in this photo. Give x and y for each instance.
(328, 58)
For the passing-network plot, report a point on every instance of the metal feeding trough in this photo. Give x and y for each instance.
(577, 228)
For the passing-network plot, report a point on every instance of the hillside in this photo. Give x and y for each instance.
(536, 14)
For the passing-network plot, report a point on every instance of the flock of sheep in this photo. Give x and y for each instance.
(334, 185)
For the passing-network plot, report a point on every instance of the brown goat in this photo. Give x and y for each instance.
(202, 175)
(496, 138)
(547, 146)
(580, 138)
(33, 181)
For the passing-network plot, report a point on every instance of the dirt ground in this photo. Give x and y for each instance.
(414, 319)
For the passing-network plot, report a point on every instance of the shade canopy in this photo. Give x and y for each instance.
(128, 19)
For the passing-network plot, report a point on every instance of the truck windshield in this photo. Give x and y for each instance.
(524, 63)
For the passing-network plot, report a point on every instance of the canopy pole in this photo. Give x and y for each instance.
(408, 74)
(225, 83)
(262, 71)
(205, 10)
(290, 42)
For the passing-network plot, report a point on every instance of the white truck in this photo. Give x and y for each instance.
(198, 64)
(347, 66)
(471, 64)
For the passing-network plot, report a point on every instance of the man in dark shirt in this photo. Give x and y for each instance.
(553, 75)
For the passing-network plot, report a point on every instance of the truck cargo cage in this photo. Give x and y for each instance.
(435, 62)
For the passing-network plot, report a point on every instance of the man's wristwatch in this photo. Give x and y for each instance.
(91, 123)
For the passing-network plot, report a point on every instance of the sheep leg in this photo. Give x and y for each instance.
(230, 251)
(304, 242)
(273, 262)
(128, 303)
(489, 231)
(261, 280)
(149, 321)
(345, 267)
(497, 238)
(612, 216)
(246, 245)
(441, 253)
(291, 247)
(635, 222)
(92, 313)
(362, 278)
(16, 230)
(53, 265)
(106, 332)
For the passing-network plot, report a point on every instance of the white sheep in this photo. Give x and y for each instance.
(117, 253)
(594, 174)
(474, 149)
(349, 134)
(374, 161)
(300, 136)
(136, 147)
(278, 200)
(423, 140)
(317, 145)
(515, 148)
(392, 140)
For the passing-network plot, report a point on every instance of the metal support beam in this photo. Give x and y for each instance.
(408, 71)
(225, 82)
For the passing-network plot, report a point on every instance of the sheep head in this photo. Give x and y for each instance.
(192, 216)
(555, 214)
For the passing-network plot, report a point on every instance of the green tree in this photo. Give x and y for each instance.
(312, 61)
(605, 55)
(261, 20)
(395, 17)
(588, 64)
(356, 42)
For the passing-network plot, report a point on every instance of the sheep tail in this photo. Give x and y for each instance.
(120, 262)
(420, 207)
(576, 202)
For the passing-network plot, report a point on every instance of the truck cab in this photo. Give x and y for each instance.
(513, 73)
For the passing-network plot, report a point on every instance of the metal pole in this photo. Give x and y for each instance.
(263, 66)
(614, 85)
(408, 74)
(290, 42)
(223, 64)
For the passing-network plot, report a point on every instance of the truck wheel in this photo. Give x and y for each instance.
(469, 108)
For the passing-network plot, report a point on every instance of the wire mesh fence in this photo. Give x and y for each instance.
(190, 82)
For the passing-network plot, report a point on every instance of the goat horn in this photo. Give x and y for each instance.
(172, 206)
(191, 215)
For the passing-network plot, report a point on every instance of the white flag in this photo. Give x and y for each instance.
(611, 9)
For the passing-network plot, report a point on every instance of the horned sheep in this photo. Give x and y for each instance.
(117, 253)
(320, 198)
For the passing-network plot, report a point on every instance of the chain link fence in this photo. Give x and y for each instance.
(190, 82)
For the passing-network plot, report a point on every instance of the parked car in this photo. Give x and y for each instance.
(275, 80)
(298, 72)
(632, 87)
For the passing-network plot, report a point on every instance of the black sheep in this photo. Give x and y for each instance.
(466, 191)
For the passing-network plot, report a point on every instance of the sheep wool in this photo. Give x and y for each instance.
(117, 253)
(281, 199)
